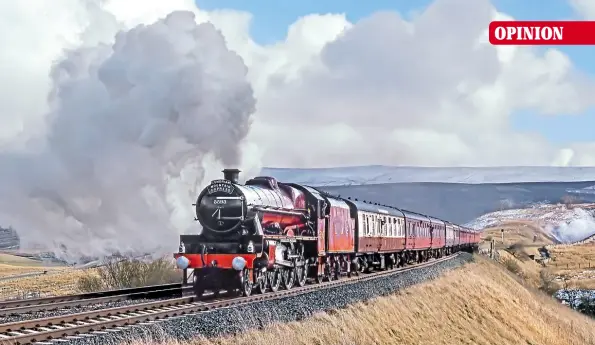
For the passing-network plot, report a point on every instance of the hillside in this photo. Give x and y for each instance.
(539, 231)
(526, 234)
(561, 223)
(378, 174)
(457, 202)
(480, 303)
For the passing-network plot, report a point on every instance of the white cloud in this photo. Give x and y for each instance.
(384, 90)
(429, 91)
(585, 8)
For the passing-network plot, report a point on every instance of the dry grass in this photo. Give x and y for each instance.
(569, 267)
(574, 255)
(11, 265)
(480, 303)
(517, 232)
(575, 264)
(63, 281)
(7, 270)
(524, 267)
(130, 273)
(56, 283)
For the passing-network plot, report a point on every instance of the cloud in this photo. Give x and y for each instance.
(429, 91)
(94, 153)
(129, 130)
(585, 8)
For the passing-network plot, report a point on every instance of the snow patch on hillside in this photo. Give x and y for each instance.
(566, 225)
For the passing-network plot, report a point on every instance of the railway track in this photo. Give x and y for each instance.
(50, 303)
(98, 321)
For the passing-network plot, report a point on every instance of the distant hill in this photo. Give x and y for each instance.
(457, 202)
(376, 174)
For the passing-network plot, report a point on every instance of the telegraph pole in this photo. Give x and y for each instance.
(502, 233)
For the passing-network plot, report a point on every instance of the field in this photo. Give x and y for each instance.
(57, 280)
(575, 265)
(116, 274)
(51, 284)
(571, 266)
(11, 265)
(523, 232)
(481, 303)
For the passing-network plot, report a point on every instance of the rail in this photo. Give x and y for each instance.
(31, 331)
(32, 304)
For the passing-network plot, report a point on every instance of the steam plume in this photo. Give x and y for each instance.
(128, 122)
(581, 226)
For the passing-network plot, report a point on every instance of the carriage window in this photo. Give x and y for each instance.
(389, 226)
(373, 222)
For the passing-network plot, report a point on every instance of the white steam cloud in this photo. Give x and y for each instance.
(131, 124)
(579, 227)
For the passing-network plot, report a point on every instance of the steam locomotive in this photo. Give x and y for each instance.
(265, 235)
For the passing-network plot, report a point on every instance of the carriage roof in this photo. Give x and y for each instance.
(379, 209)
(436, 220)
(416, 216)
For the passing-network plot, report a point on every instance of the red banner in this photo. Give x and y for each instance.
(542, 32)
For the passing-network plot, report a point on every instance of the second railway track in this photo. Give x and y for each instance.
(13, 307)
(39, 330)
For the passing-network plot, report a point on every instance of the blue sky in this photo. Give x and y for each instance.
(271, 19)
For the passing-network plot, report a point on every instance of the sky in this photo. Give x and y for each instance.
(342, 83)
(115, 113)
(271, 19)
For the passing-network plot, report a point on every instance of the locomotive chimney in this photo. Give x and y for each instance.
(232, 175)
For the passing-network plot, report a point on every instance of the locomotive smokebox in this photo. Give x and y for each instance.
(232, 175)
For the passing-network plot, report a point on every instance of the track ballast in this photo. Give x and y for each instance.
(98, 321)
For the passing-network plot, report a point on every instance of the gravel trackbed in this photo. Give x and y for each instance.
(236, 319)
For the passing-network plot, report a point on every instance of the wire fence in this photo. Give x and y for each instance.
(585, 265)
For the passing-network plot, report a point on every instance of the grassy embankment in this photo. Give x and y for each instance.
(481, 303)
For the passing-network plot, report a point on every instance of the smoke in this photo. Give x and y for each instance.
(581, 226)
(133, 128)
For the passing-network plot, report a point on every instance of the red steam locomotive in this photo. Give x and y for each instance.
(265, 235)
